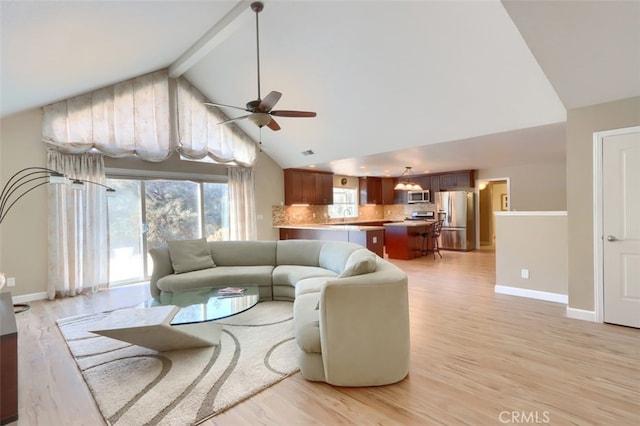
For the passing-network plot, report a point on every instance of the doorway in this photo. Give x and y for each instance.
(493, 196)
(616, 228)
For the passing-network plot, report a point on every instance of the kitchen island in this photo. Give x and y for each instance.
(403, 240)
(369, 236)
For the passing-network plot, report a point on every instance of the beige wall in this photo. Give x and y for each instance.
(269, 192)
(581, 124)
(536, 241)
(533, 187)
(23, 234)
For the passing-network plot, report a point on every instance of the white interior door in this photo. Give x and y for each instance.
(621, 228)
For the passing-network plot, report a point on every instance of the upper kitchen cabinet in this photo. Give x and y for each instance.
(424, 181)
(388, 194)
(375, 190)
(435, 184)
(324, 188)
(305, 187)
(370, 190)
(463, 179)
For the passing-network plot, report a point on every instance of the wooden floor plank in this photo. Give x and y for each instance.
(476, 358)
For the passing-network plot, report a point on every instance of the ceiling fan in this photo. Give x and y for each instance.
(260, 110)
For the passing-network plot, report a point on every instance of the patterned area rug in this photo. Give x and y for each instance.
(138, 386)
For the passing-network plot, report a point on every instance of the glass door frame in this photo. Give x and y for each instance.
(144, 176)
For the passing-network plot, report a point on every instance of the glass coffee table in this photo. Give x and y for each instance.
(205, 305)
(181, 320)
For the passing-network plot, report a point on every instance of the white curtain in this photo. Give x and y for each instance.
(78, 227)
(242, 207)
(129, 118)
(201, 135)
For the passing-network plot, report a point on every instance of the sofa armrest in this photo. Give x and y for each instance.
(364, 329)
(161, 267)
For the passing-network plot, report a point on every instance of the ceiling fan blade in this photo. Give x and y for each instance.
(288, 113)
(273, 125)
(269, 101)
(231, 120)
(224, 106)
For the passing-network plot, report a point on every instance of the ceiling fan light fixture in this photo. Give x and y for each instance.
(260, 119)
(260, 110)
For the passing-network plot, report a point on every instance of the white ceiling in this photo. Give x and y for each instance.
(437, 85)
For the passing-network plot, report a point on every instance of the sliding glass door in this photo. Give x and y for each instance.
(126, 228)
(148, 213)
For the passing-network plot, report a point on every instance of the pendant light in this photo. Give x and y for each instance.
(406, 182)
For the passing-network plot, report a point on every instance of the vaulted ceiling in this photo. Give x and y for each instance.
(437, 85)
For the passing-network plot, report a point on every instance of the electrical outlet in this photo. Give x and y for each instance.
(11, 282)
(524, 273)
(375, 240)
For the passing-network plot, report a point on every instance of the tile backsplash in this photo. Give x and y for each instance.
(307, 215)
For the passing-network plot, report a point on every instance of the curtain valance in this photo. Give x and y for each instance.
(201, 136)
(129, 118)
(134, 118)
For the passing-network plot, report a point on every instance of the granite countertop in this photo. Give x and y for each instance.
(411, 223)
(334, 227)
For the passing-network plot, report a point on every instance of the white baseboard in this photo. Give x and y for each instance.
(581, 314)
(532, 294)
(25, 298)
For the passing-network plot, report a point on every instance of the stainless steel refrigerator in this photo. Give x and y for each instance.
(456, 209)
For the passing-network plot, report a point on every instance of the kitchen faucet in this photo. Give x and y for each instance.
(344, 214)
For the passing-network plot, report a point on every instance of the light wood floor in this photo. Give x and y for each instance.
(478, 358)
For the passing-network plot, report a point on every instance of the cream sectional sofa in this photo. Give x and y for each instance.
(351, 313)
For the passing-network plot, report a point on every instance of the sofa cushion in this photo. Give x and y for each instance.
(334, 255)
(298, 252)
(243, 253)
(360, 262)
(292, 274)
(190, 255)
(310, 285)
(221, 276)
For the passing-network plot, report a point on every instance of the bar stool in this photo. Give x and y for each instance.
(432, 235)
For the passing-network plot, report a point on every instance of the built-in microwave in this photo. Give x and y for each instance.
(414, 197)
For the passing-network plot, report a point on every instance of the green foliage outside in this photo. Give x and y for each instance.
(173, 212)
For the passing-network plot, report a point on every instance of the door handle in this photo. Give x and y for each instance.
(611, 238)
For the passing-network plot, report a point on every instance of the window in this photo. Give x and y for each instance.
(345, 203)
(146, 213)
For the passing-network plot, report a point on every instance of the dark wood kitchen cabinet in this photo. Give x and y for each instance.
(452, 181)
(435, 185)
(406, 241)
(324, 188)
(376, 190)
(388, 194)
(370, 190)
(424, 181)
(305, 187)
